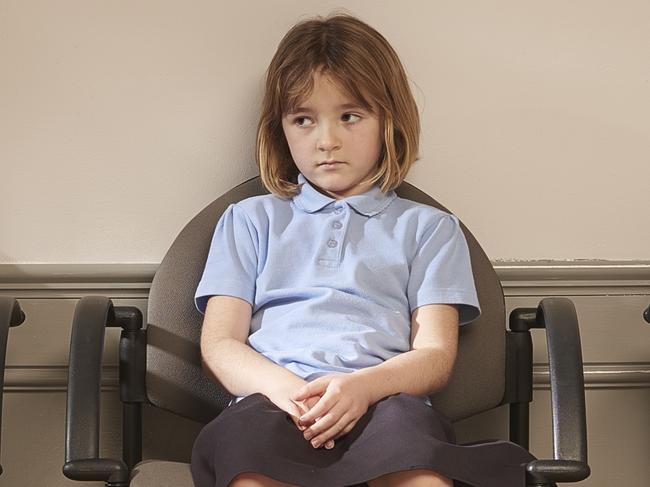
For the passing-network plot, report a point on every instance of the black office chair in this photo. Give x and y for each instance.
(10, 315)
(160, 364)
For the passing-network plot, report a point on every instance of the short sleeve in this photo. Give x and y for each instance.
(231, 266)
(441, 271)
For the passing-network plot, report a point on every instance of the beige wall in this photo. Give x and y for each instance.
(125, 118)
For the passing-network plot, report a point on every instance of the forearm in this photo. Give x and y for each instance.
(243, 371)
(417, 372)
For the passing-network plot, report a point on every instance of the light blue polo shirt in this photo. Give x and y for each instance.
(332, 283)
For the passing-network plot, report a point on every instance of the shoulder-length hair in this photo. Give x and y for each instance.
(365, 67)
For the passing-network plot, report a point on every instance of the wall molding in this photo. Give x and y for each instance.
(36, 273)
(581, 270)
(51, 379)
(76, 280)
(601, 376)
(588, 273)
(574, 278)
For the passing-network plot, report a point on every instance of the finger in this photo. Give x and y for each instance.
(346, 430)
(296, 420)
(331, 432)
(325, 428)
(314, 388)
(320, 409)
(309, 403)
(306, 405)
(322, 424)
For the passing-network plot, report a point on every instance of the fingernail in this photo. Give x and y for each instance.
(308, 436)
(315, 444)
(329, 445)
(301, 427)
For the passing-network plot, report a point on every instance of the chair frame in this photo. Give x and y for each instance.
(11, 314)
(94, 313)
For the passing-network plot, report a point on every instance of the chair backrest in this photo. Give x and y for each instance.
(175, 380)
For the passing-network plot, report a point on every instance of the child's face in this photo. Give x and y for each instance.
(324, 129)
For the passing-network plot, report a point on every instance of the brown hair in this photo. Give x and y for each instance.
(361, 61)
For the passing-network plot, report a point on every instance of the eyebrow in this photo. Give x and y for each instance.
(344, 106)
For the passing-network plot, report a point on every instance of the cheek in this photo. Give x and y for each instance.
(373, 140)
(297, 145)
(290, 138)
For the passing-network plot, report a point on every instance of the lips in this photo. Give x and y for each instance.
(329, 163)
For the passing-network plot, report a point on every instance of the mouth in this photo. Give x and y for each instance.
(329, 163)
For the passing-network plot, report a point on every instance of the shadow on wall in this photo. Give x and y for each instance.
(10, 271)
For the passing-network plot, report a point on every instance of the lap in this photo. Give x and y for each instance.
(393, 417)
(398, 433)
(256, 434)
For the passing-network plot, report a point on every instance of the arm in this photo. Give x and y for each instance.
(427, 367)
(239, 368)
(422, 370)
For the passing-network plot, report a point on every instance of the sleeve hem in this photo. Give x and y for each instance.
(221, 288)
(469, 307)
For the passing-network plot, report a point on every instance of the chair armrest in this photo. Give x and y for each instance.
(82, 462)
(10, 315)
(11, 312)
(558, 316)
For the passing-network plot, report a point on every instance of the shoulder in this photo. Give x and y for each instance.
(263, 208)
(267, 204)
(422, 218)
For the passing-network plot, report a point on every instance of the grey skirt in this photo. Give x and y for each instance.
(398, 433)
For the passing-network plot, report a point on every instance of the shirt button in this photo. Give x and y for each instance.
(338, 209)
(337, 225)
(332, 243)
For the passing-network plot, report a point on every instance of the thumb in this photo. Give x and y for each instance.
(314, 388)
(296, 421)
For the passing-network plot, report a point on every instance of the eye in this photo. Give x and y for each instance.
(353, 118)
(299, 121)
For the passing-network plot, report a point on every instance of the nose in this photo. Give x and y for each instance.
(328, 140)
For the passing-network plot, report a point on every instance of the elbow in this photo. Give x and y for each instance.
(209, 353)
(440, 379)
(447, 370)
(204, 367)
(441, 375)
(444, 379)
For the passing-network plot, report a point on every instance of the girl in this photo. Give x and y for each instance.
(331, 305)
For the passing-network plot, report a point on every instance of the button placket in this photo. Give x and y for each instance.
(333, 245)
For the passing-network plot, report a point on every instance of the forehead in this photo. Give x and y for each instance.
(314, 105)
(322, 90)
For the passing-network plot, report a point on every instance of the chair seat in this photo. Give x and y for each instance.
(158, 473)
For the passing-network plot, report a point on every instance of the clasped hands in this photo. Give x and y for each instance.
(333, 404)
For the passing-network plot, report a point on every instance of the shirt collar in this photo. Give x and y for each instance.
(370, 203)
